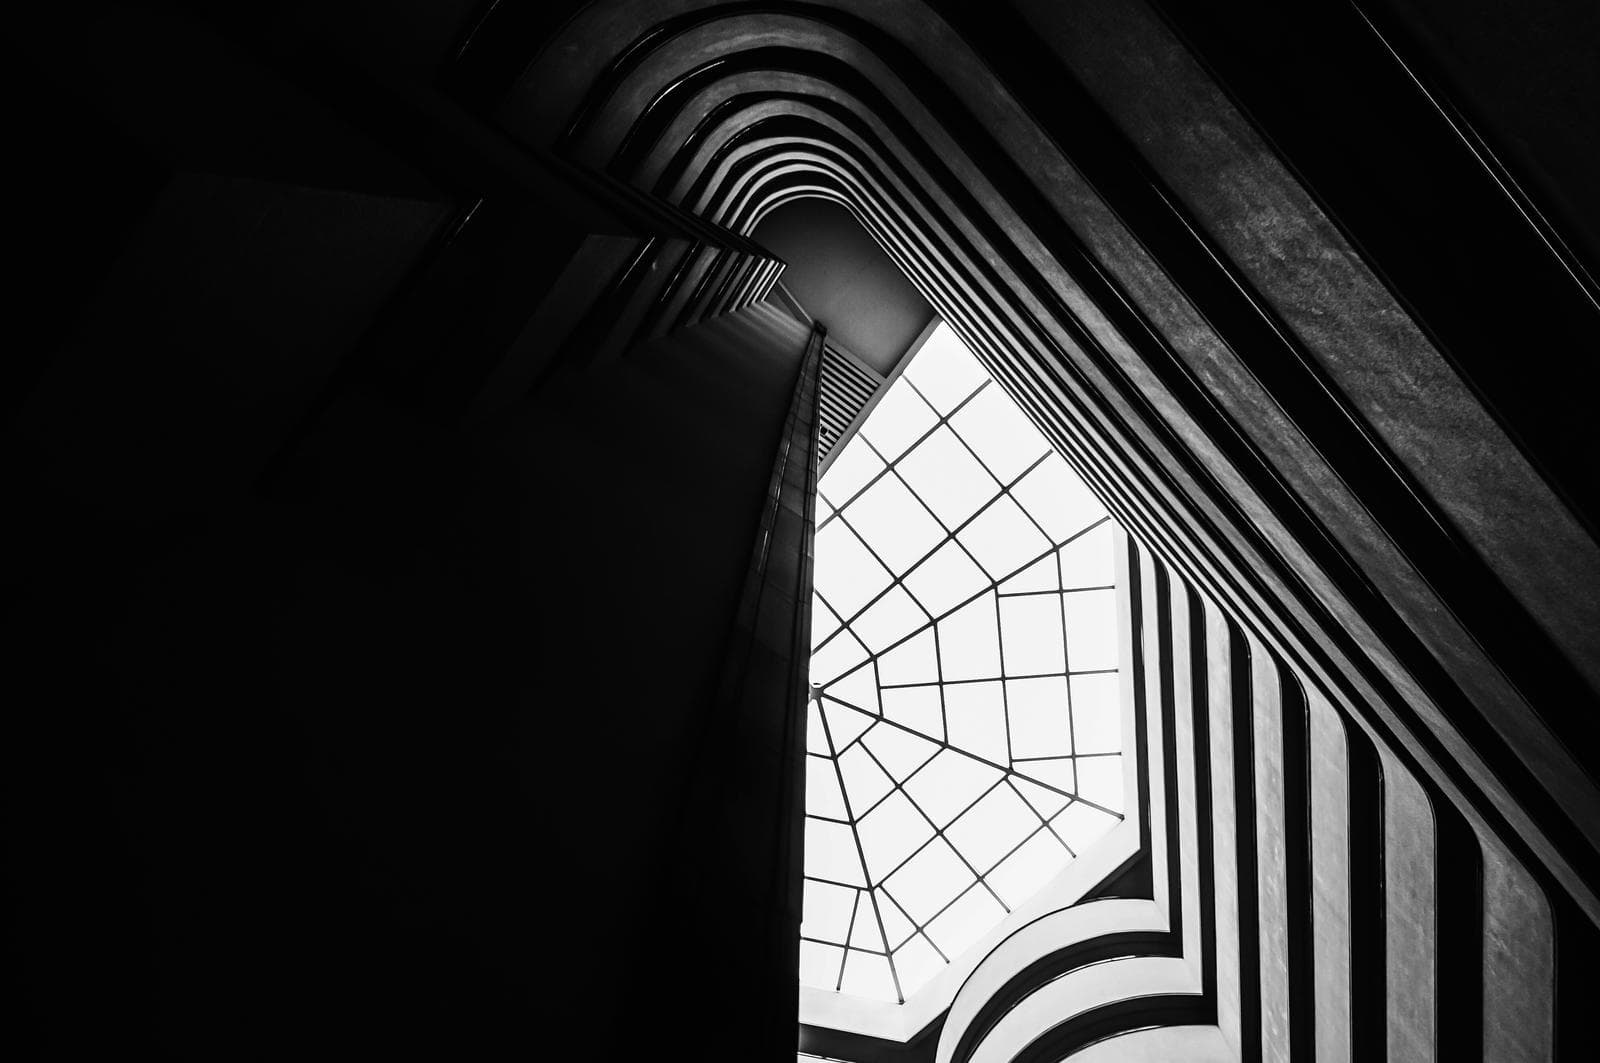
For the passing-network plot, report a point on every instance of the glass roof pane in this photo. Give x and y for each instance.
(945, 371)
(865, 784)
(864, 934)
(899, 420)
(1081, 825)
(1025, 872)
(969, 642)
(1100, 781)
(822, 790)
(845, 724)
(827, 912)
(919, 708)
(1045, 802)
(831, 852)
(1036, 709)
(929, 880)
(1002, 539)
(1091, 618)
(1096, 721)
(1087, 560)
(895, 924)
(1030, 635)
(838, 655)
(852, 470)
(823, 621)
(858, 689)
(1056, 772)
(819, 964)
(946, 579)
(866, 975)
(847, 575)
(957, 748)
(999, 433)
(900, 528)
(992, 828)
(916, 962)
(913, 661)
(1039, 576)
(899, 752)
(949, 784)
(1058, 499)
(975, 713)
(889, 619)
(890, 833)
(946, 476)
(965, 921)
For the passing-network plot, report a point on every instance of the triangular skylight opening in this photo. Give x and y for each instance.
(964, 736)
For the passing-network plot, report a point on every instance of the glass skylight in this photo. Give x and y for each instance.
(964, 732)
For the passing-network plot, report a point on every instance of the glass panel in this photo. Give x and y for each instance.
(831, 852)
(1039, 576)
(1096, 713)
(827, 912)
(1081, 825)
(864, 934)
(890, 833)
(992, 828)
(816, 737)
(895, 923)
(858, 689)
(946, 476)
(1091, 618)
(847, 575)
(919, 708)
(1002, 539)
(944, 370)
(976, 716)
(888, 620)
(946, 579)
(969, 644)
(1100, 781)
(823, 621)
(865, 784)
(999, 433)
(844, 723)
(866, 975)
(949, 784)
(899, 752)
(913, 661)
(1087, 560)
(899, 419)
(1036, 710)
(917, 963)
(965, 921)
(1056, 773)
(1058, 499)
(900, 529)
(1030, 633)
(819, 964)
(822, 790)
(1046, 802)
(929, 881)
(1025, 872)
(837, 656)
(852, 470)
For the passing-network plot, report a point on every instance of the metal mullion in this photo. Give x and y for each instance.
(832, 882)
(1096, 671)
(844, 955)
(1084, 590)
(861, 855)
(1043, 821)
